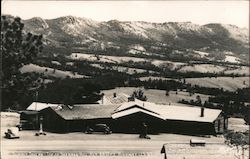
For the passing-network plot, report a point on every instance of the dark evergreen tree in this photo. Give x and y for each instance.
(139, 94)
(17, 49)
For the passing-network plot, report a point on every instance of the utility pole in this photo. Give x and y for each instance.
(36, 100)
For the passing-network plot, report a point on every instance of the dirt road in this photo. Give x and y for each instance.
(114, 146)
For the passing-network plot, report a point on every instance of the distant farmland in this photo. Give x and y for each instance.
(50, 71)
(157, 96)
(227, 83)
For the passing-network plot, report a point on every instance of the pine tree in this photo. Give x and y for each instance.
(17, 49)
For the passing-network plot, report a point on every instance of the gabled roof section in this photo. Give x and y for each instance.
(133, 111)
(188, 113)
(167, 112)
(86, 111)
(145, 105)
(37, 106)
(110, 99)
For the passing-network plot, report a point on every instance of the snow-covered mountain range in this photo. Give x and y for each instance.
(83, 32)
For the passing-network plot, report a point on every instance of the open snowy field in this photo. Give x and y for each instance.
(227, 83)
(122, 59)
(157, 96)
(49, 71)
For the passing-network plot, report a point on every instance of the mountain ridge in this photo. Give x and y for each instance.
(77, 17)
(83, 31)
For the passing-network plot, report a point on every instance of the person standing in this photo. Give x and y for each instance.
(144, 131)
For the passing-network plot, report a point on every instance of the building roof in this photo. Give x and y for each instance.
(211, 150)
(165, 112)
(37, 106)
(133, 111)
(86, 111)
(29, 112)
(119, 99)
(168, 112)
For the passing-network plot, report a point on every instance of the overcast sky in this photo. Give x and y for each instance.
(199, 12)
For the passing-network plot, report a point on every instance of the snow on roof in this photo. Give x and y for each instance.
(135, 110)
(187, 113)
(119, 99)
(37, 106)
(147, 105)
(168, 112)
(165, 112)
(86, 111)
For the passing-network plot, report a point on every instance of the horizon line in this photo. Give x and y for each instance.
(188, 21)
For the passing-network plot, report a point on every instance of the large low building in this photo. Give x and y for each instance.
(129, 116)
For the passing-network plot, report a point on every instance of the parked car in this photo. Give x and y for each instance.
(101, 128)
(12, 133)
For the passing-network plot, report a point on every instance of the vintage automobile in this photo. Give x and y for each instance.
(98, 128)
(12, 133)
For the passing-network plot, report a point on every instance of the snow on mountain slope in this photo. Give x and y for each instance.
(237, 33)
(36, 23)
(76, 26)
(201, 53)
(186, 35)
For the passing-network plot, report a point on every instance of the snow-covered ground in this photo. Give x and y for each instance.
(154, 78)
(97, 65)
(129, 70)
(157, 96)
(104, 58)
(203, 68)
(232, 59)
(121, 59)
(138, 47)
(201, 53)
(237, 125)
(114, 146)
(171, 65)
(49, 71)
(227, 83)
(56, 63)
(240, 70)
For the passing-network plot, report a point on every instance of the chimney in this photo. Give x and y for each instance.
(202, 111)
(131, 99)
(114, 95)
(102, 98)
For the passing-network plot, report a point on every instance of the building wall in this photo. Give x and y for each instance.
(81, 125)
(52, 122)
(130, 124)
(220, 124)
(31, 121)
(133, 123)
(189, 127)
(76, 125)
